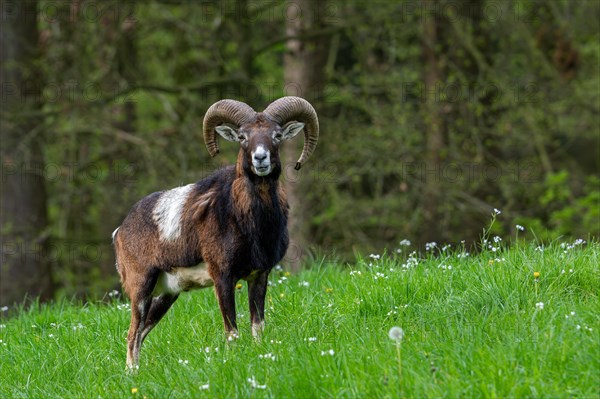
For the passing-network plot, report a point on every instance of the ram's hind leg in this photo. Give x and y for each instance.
(160, 305)
(139, 288)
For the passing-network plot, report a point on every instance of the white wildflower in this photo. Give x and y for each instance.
(430, 245)
(520, 228)
(497, 211)
(539, 305)
(379, 275)
(205, 386)
(255, 384)
(405, 243)
(233, 336)
(330, 352)
(267, 356)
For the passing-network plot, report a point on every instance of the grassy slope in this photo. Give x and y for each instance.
(471, 326)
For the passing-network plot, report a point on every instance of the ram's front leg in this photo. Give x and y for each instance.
(257, 290)
(224, 288)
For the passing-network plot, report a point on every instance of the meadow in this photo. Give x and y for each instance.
(504, 322)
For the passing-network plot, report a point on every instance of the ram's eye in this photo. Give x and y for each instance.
(277, 136)
(243, 138)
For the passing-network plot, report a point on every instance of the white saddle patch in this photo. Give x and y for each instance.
(168, 209)
(183, 279)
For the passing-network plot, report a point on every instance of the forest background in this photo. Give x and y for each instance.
(432, 114)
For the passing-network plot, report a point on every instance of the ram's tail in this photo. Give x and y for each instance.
(114, 236)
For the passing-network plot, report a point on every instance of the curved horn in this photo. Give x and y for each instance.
(291, 108)
(224, 111)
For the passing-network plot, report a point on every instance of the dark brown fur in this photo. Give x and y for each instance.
(234, 221)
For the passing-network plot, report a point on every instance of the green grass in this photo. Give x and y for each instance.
(471, 329)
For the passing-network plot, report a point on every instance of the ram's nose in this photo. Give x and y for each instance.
(260, 157)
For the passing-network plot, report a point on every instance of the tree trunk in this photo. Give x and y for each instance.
(26, 267)
(434, 131)
(304, 75)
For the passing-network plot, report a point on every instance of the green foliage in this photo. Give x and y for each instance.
(570, 207)
(474, 325)
(516, 99)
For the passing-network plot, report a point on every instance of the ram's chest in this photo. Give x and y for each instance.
(262, 239)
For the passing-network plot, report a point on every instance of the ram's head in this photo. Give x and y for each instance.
(260, 133)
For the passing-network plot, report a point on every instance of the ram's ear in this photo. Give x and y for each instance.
(228, 133)
(291, 130)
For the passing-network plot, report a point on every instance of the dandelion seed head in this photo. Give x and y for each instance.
(396, 334)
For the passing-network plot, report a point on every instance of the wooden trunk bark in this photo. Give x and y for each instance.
(304, 75)
(25, 269)
(434, 131)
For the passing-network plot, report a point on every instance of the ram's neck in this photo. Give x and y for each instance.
(251, 193)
